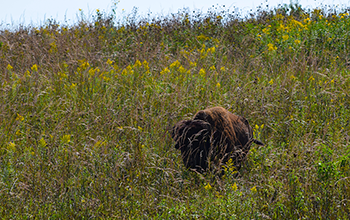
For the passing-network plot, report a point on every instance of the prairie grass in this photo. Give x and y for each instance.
(85, 113)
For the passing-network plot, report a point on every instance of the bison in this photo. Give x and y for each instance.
(212, 137)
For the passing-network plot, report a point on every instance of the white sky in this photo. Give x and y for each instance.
(36, 12)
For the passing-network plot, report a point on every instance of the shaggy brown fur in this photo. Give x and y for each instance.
(212, 137)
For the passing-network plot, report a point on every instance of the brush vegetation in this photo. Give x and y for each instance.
(85, 113)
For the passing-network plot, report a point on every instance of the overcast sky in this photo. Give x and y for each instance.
(37, 11)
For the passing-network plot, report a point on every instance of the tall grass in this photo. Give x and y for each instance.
(86, 110)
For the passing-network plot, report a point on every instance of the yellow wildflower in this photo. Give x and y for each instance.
(27, 73)
(42, 142)
(73, 85)
(137, 64)
(92, 71)
(202, 37)
(212, 50)
(182, 69)
(193, 64)
(297, 23)
(145, 64)
(165, 70)
(175, 64)
(19, 117)
(271, 47)
(12, 146)
(234, 187)
(53, 47)
(285, 37)
(202, 72)
(109, 62)
(66, 139)
(253, 189)
(34, 68)
(9, 67)
(207, 187)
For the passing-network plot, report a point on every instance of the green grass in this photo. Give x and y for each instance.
(86, 110)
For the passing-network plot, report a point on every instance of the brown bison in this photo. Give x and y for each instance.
(212, 137)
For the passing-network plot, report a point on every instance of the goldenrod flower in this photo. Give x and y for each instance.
(42, 142)
(202, 37)
(212, 50)
(9, 67)
(53, 48)
(175, 64)
(73, 85)
(285, 37)
(207, 187)
(234, 187)
(27, 73)
(145, 64)
(165, 70)
(193, 64)
(34, 68)
(66, 139)
(137, 64)
(109, 62)
(124, 72)
(19, 117)
(202, 72)
(182, 69)
(11, 146)
(271, 47)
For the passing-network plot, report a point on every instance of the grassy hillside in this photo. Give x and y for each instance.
(85, 112)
